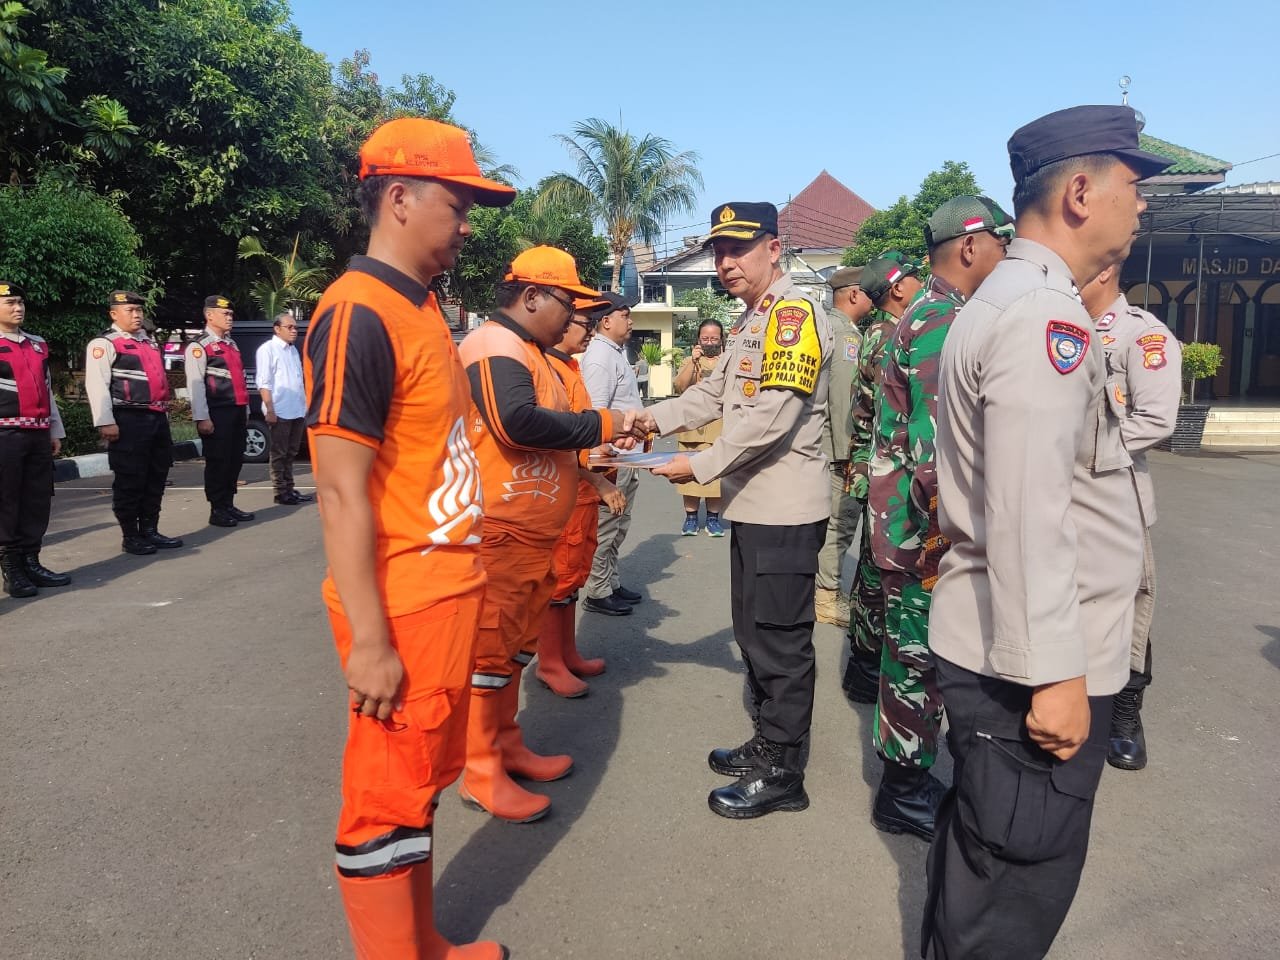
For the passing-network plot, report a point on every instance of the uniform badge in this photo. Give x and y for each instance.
(749, 388)
(1152, 346)
(36, 347)
(1067, 345)
(790, 320)
(1106, 320)
(765, 304)
(851, 349)
(1119, 395)
(98, 353)
(1108, 340)
(745, 364)
(755, 328)
(727, 215)
(197, 353)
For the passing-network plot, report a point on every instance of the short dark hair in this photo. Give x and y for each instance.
(1032, 192)
(506, 294)
(370, 191)
(711, 322)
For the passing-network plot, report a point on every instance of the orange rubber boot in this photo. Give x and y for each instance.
(551, 669)
(518, 759)
(485, 784)
(392, 918)
(576, 663)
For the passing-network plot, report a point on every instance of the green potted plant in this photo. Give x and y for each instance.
(1199, 361)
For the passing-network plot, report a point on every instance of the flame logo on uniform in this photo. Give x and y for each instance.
(535, 476)
(456, 506)
(790, 320)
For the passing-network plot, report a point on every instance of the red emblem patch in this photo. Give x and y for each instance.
(1067, 345)
(98, 353)
(790, 320)
(765, 304)
(1152, 347)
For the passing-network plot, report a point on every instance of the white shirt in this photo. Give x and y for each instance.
(279, 370)
(609, 378)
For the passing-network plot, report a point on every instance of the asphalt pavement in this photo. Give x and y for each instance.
(173, 725)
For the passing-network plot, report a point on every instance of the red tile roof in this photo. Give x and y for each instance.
(826, 213)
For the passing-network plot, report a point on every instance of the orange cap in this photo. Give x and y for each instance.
(417, 147)
(587, 304)
(549, 267)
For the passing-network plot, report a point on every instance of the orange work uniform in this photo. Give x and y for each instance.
(382, 371)
(574, 550)
(525, 435)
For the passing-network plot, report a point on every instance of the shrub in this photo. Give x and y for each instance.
(1199, 360)
(82, 435)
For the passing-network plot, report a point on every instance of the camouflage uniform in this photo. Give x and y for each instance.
(866, 602)
(902, 511)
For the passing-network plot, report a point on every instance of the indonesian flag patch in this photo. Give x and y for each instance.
(973, 223)
(894, 277)
(1067, 345)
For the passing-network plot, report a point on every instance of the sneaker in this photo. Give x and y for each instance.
(713, 526)
(690, 528)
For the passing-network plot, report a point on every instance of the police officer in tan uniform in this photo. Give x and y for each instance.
(129, 394)
(770, 387)
(1032, 614)
(1144, 386)
(850, 307)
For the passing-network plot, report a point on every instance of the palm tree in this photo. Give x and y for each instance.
(629, 186)
(286, 280)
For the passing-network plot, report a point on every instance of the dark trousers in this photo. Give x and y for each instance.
(771, 577)
(1013, 831)
(286, 435)
(224, 455)
(26, 487)
(140, 459)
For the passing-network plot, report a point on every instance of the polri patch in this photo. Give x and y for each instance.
(1152, 346)
(851, 349)
(1067, 345)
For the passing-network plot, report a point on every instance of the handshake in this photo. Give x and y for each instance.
(632, 427)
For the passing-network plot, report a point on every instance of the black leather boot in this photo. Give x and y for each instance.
(740, 760)
(907, 800)
(862, 677)
(14, 570)
(134, 542)
(41, 575)
(775, 783)
(1127, 745)
(238, 515)
(149, 530)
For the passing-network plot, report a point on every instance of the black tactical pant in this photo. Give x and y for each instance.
(140, 459)
(26, 487)
(771, 576)
(224, 455)
(1013, 831)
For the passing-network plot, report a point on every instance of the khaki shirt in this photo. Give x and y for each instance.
(1035, 487)
(844, 367)
(1144, 383)
(770, 386)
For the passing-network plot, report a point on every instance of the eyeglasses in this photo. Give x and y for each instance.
(567, 304)
(587, 325)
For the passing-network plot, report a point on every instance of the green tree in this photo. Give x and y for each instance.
(901, 226)
(285, 280)
(710, 306)
(627, 185)
(68, 248)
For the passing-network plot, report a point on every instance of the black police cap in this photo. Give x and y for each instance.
(1077, 131)
(743, 221)
(121, 297)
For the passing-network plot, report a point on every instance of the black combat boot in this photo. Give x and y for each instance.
(218, 517)
(907, 800)
(149, 530)
(740, 760)
(14, 569)
(133, 541)
(862, 677)
(1127, 745)
(237, 514)
(41, 575)
(775, 783)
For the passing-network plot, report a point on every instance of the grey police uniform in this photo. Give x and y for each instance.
(1144, 370)
(847, 343)
(1037, 497)
(770, 387)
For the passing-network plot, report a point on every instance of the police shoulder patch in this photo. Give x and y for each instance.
(99, 353)
(851, 345)
(792, 351)
(1067, 345)
(197, 352)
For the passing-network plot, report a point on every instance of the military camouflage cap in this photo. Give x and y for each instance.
(960, 216)
(844, 277)
(883, 272)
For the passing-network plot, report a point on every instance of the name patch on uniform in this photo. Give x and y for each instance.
(792, 353)
(851, 349)
(1152, 347)
(1067, 345)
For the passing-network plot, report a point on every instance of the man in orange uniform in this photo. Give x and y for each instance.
(399, 493)
(526, 437)
(560, 666)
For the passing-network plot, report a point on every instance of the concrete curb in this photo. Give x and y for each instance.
(95, 464)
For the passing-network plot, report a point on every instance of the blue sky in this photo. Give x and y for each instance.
(769, 94)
